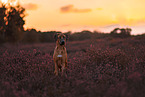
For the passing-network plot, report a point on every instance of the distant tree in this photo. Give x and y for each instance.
(15, 23)
(47, 36)
(68, 34)
(123, 32)
(128, 31)
(31, 36)
(2, 23)
(115, 31)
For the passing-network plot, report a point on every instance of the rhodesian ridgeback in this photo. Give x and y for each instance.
(60, 53)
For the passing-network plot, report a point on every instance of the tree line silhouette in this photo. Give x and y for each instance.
(12, 29)
(12, 23)
(121, 32)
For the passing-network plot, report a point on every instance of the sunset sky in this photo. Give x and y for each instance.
(78, 15)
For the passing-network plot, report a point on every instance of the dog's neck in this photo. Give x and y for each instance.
(60, 47)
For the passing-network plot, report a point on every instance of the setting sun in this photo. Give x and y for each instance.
(78, 15)
(11, 2)
(4, 1)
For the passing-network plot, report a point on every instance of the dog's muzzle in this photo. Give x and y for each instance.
(62, 42)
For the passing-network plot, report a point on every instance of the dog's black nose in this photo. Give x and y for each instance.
(62, 42)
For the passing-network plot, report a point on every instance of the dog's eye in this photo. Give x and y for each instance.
(63, 36)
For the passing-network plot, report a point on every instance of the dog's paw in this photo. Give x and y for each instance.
(56, 73)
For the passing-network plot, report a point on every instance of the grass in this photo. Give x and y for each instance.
(109, 67)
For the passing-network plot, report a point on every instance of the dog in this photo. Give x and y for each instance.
(60, 53)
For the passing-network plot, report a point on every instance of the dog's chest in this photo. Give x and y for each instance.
(60, 53)
(59, 56)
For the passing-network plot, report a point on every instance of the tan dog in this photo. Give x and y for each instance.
(60, 54)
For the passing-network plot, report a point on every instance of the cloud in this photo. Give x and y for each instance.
(99, 8)
(125, 20)
(137, 21)
(70, 8)
(67, 25)
(30, 6)
(12, 0)
(112, 26)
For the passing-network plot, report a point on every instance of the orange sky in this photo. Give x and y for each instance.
(78, 15)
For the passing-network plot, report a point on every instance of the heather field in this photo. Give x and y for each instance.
(108, 67)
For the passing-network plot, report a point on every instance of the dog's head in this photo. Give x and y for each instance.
(60, 38)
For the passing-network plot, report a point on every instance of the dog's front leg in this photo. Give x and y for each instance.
(56, 69)
(63, 68)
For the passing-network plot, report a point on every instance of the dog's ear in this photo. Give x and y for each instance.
(55, 37)
(66, 37)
